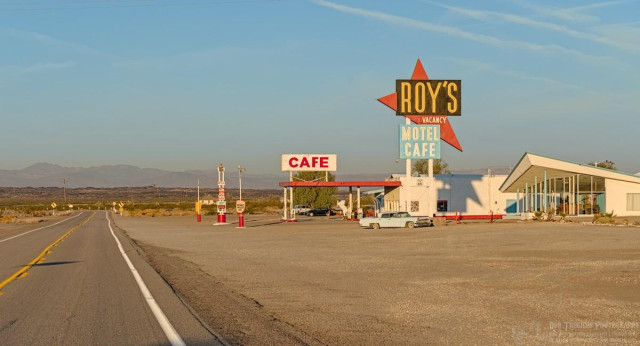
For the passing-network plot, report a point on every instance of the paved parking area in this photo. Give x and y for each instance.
(477, 283)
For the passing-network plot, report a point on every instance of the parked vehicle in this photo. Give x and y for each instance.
(396, 219)
(301, 209)
(321, 212)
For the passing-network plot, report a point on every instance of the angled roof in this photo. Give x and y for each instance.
(532, 165)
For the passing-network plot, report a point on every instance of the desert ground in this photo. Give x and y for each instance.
(322, 281)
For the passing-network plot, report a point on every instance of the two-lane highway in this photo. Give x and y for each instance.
(81, 282)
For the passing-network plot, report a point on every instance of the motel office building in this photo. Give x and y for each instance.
(537, 183)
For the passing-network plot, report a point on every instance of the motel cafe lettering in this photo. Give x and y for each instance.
(419, 141)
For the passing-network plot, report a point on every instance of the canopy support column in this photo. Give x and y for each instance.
(535, 193)
(545, 191)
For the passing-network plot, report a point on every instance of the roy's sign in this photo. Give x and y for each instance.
(309, 162)
(419, 141)
(428, 97)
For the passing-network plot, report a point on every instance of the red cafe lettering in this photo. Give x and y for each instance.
(316, 162)
(309, 162)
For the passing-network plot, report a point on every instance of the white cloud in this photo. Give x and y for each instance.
(484, 66)
(573, 14)
(487, 16)
(52, 41)
(47, 66)
(453, 31)
(628, 33)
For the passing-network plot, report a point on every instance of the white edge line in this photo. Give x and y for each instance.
(37, 229)
(166, 326)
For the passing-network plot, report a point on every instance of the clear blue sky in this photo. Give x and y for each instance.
(188, 84)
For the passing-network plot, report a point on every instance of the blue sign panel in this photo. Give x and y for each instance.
(419, 141)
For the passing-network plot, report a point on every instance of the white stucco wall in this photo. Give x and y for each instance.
(616, 198)
(468, 194)
(472, 194)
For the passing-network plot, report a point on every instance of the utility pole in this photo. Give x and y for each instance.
(155, 195)
(64, 189)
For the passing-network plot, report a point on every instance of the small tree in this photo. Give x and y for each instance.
(606, 164)
(319, 197)
(439, 167)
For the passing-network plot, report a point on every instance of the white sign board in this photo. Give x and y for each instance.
(309, 162)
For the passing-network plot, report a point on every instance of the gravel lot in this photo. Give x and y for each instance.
(330, 282)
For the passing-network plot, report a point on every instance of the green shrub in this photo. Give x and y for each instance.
(604, 218)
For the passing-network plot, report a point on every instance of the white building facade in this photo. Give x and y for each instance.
(467, 196)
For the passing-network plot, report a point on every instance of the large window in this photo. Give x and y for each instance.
(633, 202)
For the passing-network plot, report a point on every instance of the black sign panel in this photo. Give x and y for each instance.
(429, 97)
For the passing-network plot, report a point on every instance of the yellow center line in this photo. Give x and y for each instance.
(23, 271)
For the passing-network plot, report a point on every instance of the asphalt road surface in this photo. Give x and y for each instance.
(72, 283)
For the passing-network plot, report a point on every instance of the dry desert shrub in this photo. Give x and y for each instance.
(183, 213)
(8, 219)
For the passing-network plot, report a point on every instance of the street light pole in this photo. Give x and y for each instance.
(240, 170)
(240, 203)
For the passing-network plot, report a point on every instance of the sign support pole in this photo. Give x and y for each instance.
(432, 190)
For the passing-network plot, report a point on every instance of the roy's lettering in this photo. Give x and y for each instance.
(428, 97)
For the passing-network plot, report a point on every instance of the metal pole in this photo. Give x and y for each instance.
(350, 203)
(572, 201)
(591, 202)
(408, 161)
(545, 191)
(578, 193)
(432, 189)
(240, 170)
(284, 208)
(358, 203)
(555, 194)
(64, 189)
(293, 216)
(535, 194)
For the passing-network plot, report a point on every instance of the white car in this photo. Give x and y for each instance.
(301, 209)
(395, 219)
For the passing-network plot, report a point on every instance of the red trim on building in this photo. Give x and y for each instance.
(338, 183)
(472, 217)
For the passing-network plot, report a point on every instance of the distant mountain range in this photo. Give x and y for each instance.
(51, 175)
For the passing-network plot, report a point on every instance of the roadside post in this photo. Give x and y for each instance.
(198, 204)
(198, 208)
(121, 209)
(240, 205)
